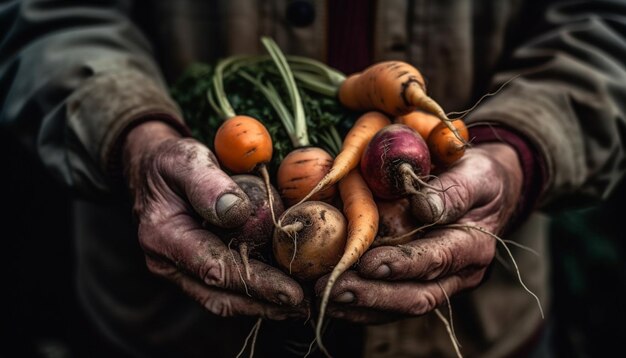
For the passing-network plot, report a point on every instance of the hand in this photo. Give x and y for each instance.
(176, 183)
(393, 282)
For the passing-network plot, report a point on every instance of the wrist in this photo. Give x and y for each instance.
(141, 140)
(145, 137)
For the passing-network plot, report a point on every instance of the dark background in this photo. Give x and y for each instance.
(40, 316)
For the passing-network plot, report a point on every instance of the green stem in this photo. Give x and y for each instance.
(299, 118)
(333, 76)
(271, 94)
(314, 83)
(217, 97)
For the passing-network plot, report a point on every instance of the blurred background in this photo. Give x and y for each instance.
(40, 316)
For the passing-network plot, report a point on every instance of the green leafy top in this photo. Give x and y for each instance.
(326, 119)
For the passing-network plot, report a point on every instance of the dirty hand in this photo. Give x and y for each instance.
(176, 183)
(409, 280)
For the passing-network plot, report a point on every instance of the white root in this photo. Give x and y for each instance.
(519, 276)
(245, 286)
(253, 334)
(450, 333)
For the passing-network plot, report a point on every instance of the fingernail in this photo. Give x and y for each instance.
(283, 298)
(382, 271)
(346, 297)
(296, 315)
(225, 203)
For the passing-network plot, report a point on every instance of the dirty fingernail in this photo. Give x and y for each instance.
(284, 299)
(225, 203)
(382, 271)
(346, 297)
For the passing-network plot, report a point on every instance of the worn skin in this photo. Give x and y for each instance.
(402, 281)
(176, 183)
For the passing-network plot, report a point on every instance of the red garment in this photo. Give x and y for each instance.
(350, 34)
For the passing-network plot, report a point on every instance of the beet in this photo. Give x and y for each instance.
(254, 237)
(394, 162)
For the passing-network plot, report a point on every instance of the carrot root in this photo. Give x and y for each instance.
(362, 214)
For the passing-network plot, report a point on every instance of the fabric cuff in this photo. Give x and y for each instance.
(108, 105)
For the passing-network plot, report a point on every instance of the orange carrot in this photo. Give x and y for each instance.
(351, 150)
(300, 171)
(242, 143)
(445, 148)
(303, 167)
(422, 122)
(394, 87)
(361, 212)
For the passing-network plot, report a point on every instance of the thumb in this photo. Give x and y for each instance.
(210, 191)
(470, 183)
(440, 206)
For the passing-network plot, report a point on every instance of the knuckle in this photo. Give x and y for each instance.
(214, 272)
(219, 307)
(152, 232)
(153, 266)
(440, 263)
(188, 152)
(475, 279)
(146, 234)
(424, 304)
(160, 268)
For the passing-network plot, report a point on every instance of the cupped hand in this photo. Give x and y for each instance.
(392, 282)
(177, 184)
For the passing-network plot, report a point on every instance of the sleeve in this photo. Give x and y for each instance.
(569, 100)
(74, 76)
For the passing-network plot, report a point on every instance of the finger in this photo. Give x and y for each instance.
(184, 244)
(406, 297)
(361, 315)
(228, 304)
(193, 169)
(439, 253)
(472, 182)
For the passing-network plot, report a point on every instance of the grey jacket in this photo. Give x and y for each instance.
(73, 77)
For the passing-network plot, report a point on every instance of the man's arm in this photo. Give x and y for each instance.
(83, 93)
(74, 78)
(568, 102)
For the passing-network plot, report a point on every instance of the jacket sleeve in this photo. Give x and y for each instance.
(74, 76)
(569, 100)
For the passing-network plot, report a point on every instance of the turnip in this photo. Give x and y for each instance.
(395, 161)
(310, 240)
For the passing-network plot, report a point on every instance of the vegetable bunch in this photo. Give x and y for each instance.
(374, 137)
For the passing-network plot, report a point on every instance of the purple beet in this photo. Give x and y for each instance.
(394, 162)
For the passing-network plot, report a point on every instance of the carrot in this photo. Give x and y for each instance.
(351, 150)
(422, 122)
(394, 87)
(361, 212)
(242, 143)
(445, 148)
(300, 171)
(303, 167)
